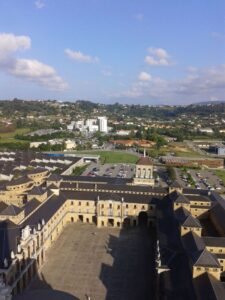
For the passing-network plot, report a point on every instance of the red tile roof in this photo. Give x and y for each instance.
(145, 161)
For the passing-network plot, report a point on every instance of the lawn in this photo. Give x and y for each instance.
(180, 149)
(9, 137)
(79, 170)
(188, 154)
(220, 174)
(112, 157)
(174, 150)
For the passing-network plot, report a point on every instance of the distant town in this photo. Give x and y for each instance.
(95, 175)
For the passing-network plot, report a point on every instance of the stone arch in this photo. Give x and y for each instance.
(143, 218)
(126, 222)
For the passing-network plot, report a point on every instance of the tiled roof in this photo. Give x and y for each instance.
(214, 241)
(207, 259)
(182, 199)
(208, 287)
(192, 222)
(144, 161)
(11, 210)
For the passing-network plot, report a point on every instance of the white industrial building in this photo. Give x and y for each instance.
(103, 126)
(91, 125)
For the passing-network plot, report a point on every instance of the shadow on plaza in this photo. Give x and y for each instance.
(40, 289)
(132, 275)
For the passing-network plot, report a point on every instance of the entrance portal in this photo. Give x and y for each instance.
(111, 222)
(81, 218)
(94, 220)
(143, 218)
(126, 222)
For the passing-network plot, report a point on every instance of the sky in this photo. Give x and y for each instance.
(107, 51)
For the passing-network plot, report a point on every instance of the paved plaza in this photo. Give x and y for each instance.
(104, 263)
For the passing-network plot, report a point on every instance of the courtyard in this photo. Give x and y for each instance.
(106, 263)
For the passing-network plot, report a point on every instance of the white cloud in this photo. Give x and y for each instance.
(39, 4)
(10, 43)
(81, 57)
(157, 57)
(29, 69)
(106, 73)
(144, 76)
(139, 17)
(218, 35)
(202, 85)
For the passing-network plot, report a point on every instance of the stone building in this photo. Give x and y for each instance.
(144, 172)
(182, 218)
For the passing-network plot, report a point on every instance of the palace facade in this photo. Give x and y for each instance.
(36, 207)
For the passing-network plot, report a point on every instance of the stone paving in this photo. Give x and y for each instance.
(104, 263)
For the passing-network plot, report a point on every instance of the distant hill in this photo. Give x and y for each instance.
(209, 102)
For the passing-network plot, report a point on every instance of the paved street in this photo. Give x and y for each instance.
(102, 263)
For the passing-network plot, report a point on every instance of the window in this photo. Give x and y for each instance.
(110, 205)
(221, 250)
(79, 203)
(118, 207)
(143, 207)
(199, 269)
(102, 205)
(126, 205)
(71, 203)
(87, 204)
(135, 206)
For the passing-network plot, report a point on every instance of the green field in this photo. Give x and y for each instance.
(112, 157)
(9, 137)
(188, 154)
(220, 174)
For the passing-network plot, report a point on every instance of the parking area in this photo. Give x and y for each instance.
(200, 179)
(161, 176)
(104, 263)
(110, 170)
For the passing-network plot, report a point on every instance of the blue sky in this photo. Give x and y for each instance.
(129, 51)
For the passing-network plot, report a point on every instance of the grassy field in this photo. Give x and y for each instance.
(188, 154)
(175, 149)
(220, 174)
(9, 137)
(111, 157)
(180, 149)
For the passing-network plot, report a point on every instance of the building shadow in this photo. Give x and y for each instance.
(40, 289)
(177, 282)
(132, 274)
(24, 282)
